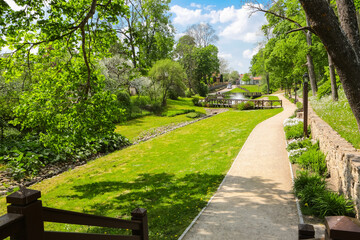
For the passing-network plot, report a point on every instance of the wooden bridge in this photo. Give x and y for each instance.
(214, 101)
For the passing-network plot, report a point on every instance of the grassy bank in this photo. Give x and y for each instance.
(339, 116)
(134, 128)
(172, 176)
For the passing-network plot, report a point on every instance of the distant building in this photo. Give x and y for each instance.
(253, 81)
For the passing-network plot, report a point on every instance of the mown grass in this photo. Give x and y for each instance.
(251, 88)
(172, 176)
(339, 116)
(133, 128)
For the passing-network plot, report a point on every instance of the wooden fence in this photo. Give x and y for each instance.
(26, 216)
(214, 101)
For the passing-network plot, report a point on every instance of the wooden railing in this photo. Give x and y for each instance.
(214, 101)
(26, 216)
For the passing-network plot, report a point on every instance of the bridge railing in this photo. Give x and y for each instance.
(26, 216)
(214, 101)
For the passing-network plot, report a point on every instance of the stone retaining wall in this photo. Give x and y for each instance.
(343, 160)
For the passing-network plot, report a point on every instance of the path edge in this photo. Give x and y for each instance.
(222, 182)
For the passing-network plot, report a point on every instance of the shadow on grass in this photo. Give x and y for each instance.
(172, 203)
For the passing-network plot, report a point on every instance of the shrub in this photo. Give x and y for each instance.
(202, 89)
(305, 179)
(312, 192)
(188, 93)
(246, 105)
(332, 204)
(294, 131)
(314, 160)
(195, 100)
(306, 143)
(299, 105)
(124, 102)
(25, 157)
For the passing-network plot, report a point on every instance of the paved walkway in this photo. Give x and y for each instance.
(255, 201)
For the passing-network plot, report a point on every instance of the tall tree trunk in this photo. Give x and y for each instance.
(342, 42)
(268, 83)
(334, 91)
(310, 63)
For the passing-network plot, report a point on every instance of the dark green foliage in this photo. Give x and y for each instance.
(245, 105)
(332, 204)
(316, 200)
(176, 91)
(124, 102)
(202, 89)
(195, 100)
(25, 157)
(307, 186)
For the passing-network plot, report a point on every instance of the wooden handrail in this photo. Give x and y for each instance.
(86, 236)
(26, 217)
(11, 224)
(63, 216)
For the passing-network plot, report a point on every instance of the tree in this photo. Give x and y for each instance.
(289, 11)
(207, 63)
(167, 74)
(185, 53)
(118, 73)
(147, 33)
(66, 103)
(203, 33)
(340, 35)
(258, 67)
(246, 78)
(224, 66)
(234, 75)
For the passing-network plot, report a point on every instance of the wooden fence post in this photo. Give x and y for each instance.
(140, 214)
(26, 202)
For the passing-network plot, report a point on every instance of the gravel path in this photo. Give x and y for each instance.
(255, 199)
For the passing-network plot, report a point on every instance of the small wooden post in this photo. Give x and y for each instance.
(140, 214)
(26, 202)
(306, 231)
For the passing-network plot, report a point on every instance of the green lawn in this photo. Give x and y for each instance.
(339, 116)
(133, 128)
(172, 176)
(252, 88)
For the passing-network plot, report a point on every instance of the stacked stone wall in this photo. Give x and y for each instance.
(343, 160)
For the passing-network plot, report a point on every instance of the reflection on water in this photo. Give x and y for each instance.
(238, 96)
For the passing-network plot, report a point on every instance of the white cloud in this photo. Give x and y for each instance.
(226, 56)
(239, 25)
(13, 5)
(209, 7)
(249, 53)
(242, 27)
(195, 5)
(185, 16)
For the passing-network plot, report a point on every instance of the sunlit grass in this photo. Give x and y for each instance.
(339, 116)
(172, 176)
(133, 128)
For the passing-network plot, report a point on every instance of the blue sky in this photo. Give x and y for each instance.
(239, 34)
